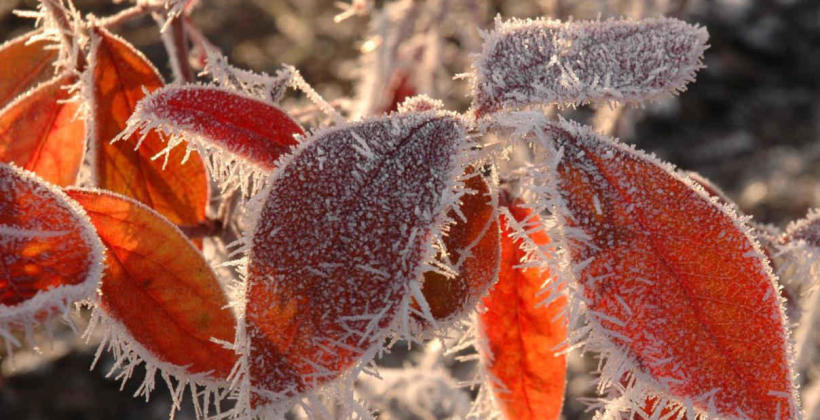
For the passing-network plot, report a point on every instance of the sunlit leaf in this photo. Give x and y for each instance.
(159, 288)
(219, 120)
(521, 334)
(472, 246)
(339, 243)
(119, 73)
(39, 132)
(673, 281)
(23, 65)
(50, 256)
(544, 61)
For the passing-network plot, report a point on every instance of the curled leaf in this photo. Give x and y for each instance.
(118, 75)
(471, 254)
(672, 281)
(522, 333)
(544, 61)
(25, 64)
(40, 132)
(160, 300)
(50, 255)
(340, 243)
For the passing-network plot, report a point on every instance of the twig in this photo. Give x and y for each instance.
(128, 14)
(180, 40)
(57, 11)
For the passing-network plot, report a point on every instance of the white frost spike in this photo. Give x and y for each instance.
(544, 61)
(50, 254)
(129, 354)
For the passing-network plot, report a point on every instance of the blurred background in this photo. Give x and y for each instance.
(750, 123)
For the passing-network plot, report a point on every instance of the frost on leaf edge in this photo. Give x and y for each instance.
(129, 353)
(338, 390)
(26, 313)
(503, 28)
(583, 331)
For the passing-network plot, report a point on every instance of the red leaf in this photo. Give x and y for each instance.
(342, 234)
(216, 118)
(39, 132)
(24, 65)
(522, 336)
(674, 280)
(473, 247)
(49, 253)
(159, 287)
(119, 73)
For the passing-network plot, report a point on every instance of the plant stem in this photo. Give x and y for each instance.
(57, 11)
(126, 15)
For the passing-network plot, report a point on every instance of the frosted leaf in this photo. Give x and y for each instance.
(40, 132)
(242, 137)
(523, 327)
(117, 77)
(544, 61)
(160, 304)
(340, 242)
(806, 229)
(672, 280)
(50, 255)
(33, 60)
(467, 261)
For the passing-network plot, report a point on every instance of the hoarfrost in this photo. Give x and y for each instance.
(309, 303)
(544, 61)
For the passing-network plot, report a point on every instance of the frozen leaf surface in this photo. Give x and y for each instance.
(50, 256)
(472, 255)
(807, 229)
(159, 288)
(521, 334)
(218, 119)
(117, 76)
(673, 280)
(544, 61)
(39, 132)
(341, 239)
(25, 63)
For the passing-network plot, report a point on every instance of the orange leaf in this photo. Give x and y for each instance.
(119, 73)
(673, 281)
(473, 248)
(344, 231)
(39, 132)
(522, 336)
(49, 253)
(159, 287)
(24, 66)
